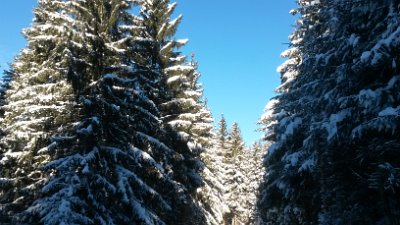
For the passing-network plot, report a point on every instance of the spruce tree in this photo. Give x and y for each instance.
(222, 133)
(211, 195)
(234, 177)
(86, 135)
(184, 115)
(236, 141)
(334, 125)
(39, 102)
(253, 170)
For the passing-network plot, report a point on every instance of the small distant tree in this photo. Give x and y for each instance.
(236, 140)
(222, 133)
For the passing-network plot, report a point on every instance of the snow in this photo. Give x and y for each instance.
(353, 40)
(393, 81)
(86, 169)
(155, 142)
(141, 156)
(87, 130)
(174, 79)
(144, 214)
(365, 56)
(182, 41)
(331, 125)
(95, 119)
(367, 97)
(171, 7)
(291, 127)
(64, 207)
(307, 165)
(115, 48)
(177, 123)
(43, 38)
(179, 69)
(181, 101)
(283, 67)
(390, 111)
(380, 46)
(293, 158)
(175, 22)
(167, 47)
(271, 104)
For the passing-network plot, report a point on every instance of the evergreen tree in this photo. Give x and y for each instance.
(234, 177)
(211, 195)
(334, 125)
(39, 102)
(235, 139)
(253, 171)
(222, 133)
(86, 134)
(184, 116)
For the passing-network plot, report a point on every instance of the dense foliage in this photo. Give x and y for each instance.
(86, 139)
(335, 125)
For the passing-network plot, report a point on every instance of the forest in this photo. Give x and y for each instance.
(103, 121)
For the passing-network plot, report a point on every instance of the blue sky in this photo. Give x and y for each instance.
(237, 45)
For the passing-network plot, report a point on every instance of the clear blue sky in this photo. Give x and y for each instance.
(236, 43)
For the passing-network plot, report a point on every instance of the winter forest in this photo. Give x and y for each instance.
(103, 121)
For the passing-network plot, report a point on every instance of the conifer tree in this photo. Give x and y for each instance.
(222, 133)
(86, 136)
(253, 171)
(236, 141)
(234, 177)
(39, 101)
(179, 95)
(211, 195)
(183, 112)
(334, 125)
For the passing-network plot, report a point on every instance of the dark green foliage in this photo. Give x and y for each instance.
(334, 127)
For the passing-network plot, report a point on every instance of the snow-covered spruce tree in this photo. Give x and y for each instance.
(253, 171)
(364, 122)
(290, 190)
(334, 127)
(184, 115)
(224, 174)
(234, 177)
(222, 134)
(180, 95)
(94, 148)
(211, 195)
(236, 140)
(229, 194)
(40, 101)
